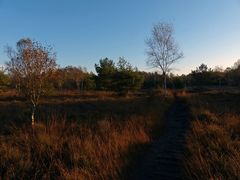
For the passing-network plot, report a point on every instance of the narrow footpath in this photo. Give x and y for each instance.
(164, 159)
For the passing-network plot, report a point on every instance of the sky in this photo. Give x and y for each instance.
(84, 31)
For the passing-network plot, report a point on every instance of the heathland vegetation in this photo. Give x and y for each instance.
(98, 138)
(89, 125)
(213, 143)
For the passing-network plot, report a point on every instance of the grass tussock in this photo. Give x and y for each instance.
(214, 141)
(58, 149)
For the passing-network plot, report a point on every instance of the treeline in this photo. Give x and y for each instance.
(201, 76)
(204, 76)
(122, 76)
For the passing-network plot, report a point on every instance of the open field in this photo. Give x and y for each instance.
(78, 138)
(71, 105)
(119, 90)
(106, 135)
(214, 140)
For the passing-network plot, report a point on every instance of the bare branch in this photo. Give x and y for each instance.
(162, 50)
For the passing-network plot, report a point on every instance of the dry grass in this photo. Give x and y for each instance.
(101, 149)
(84, 106)
(69, 151)
(214, 141)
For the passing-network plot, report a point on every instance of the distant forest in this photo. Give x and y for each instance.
(121, 76)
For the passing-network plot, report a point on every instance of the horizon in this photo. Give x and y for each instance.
(82, 33)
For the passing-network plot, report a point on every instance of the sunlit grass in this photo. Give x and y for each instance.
(214, 141)
(101, 149)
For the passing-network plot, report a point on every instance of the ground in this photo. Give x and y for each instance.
(164, 158)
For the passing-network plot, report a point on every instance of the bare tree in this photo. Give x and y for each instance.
(162, 51)
(31, 64)
(76, 74)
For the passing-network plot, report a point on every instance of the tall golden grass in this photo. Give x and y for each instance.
(213, 143)
(58, 149)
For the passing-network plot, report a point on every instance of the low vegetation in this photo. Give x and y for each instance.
(92, 126)
(103, 148)
(214, 140)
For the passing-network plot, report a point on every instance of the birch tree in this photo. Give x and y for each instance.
(31, 64)
(162, 50)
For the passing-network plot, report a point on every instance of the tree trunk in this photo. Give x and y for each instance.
(33, 115)
(78, 85)
(165, 84)
(82, 85)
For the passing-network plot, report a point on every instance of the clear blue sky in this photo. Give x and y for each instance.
(83, 31)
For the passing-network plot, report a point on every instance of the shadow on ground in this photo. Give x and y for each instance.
(164, 158)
